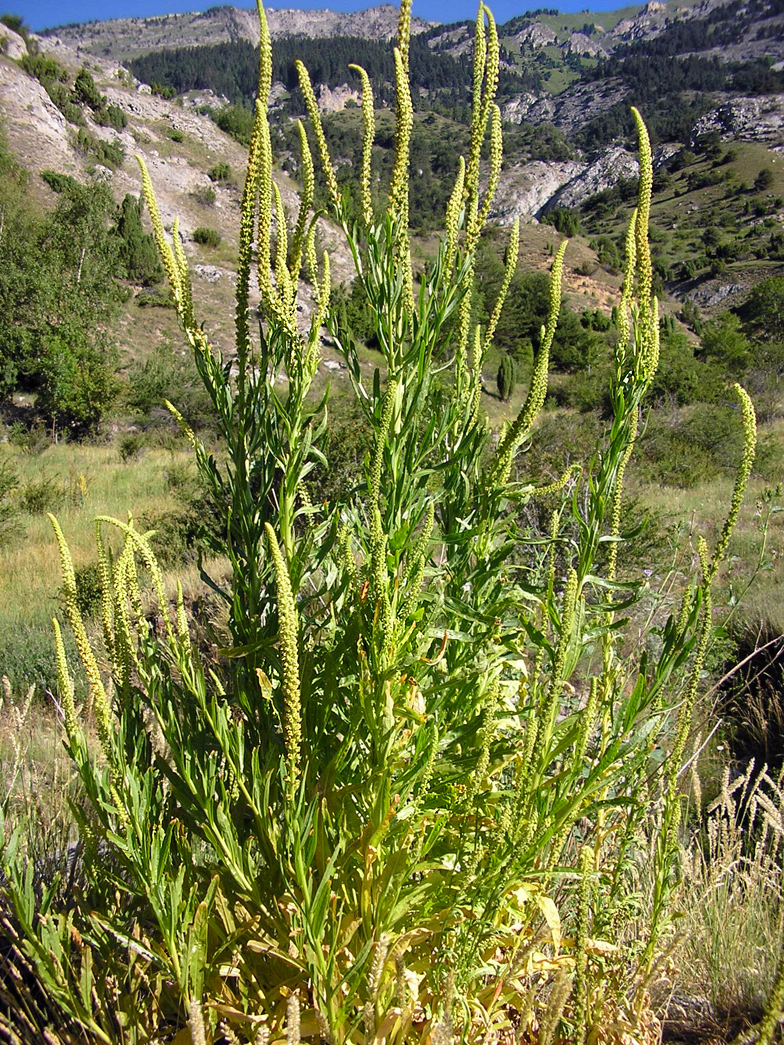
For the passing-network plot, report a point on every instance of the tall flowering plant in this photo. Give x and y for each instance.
(407, 803)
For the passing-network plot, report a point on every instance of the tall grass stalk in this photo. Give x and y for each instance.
(408, 796)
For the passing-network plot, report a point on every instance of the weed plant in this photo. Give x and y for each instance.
(409, 803)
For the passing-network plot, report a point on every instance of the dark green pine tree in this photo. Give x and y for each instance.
(505, 378)
(138, 256)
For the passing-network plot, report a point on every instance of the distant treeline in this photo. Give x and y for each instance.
(231, 69)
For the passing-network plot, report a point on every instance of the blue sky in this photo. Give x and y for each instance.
(43, 13)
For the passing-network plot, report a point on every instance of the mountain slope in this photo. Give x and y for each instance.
(125, 38)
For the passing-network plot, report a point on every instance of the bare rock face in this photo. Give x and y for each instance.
(335, 99)
(15, 46)
(525, 189)
(615, 165)
(530, 190)
(36, 128)
(581, 102)
(535, 35)
(528, 108)
(753, 119)
(579, 43)
(124, 38)
(651, 21)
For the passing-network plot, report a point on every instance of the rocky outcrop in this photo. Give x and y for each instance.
(525, 189)
(335, 99)
(569, 110)
(528, 108)
(11, 43)
(124, 38)
(613, 166)
(579, 43)
(36, 128)
(530, 190)
(535, 35)
(759, 119)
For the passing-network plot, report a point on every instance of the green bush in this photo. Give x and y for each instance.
(45, 493)
(58, 182)
(154, 299)
(236, 121)
(27, 656)
(85, 91)
(168, 375)
(138, 256)
(565, 219)
(9, 508)
(109, 154)
(44, 68)
(130, 447)
(88, 589)
(204, 195)
(111, 116)
(207, 237)
(220, 172)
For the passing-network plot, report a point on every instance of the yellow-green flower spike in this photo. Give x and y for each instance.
(164, 250)
(250, 194)
(453, 211)
(288, 625)
(625, 346)
(264, 226)
(64, 683)
(464, 332)
(404, 31)
(305, 202)
(185, 428)
(477, 127)
(148, 557)
(651, 364)
(499, 474)
(97, 693)
(492, 66)
(265, 56)
(107, 603)
(315, 118)
(398, 189)
(324, 290)
(310, 256)
(282, 278)
(644, 266)
(568, 611)
(512, 252)
(368, 137)
(184, 275)
(749, 420)
(415, 571)
(557, 484)
(587, 720)
(387, 408)
(496, 160)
